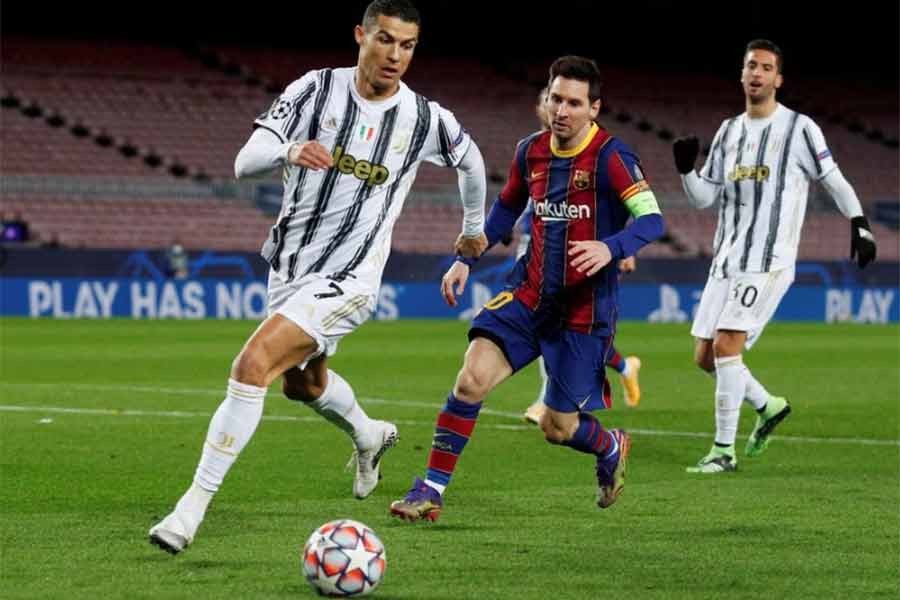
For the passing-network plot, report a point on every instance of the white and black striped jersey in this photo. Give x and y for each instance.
(338, 221)
(765, 167)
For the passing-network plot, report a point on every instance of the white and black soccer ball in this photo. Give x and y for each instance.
(343, 558)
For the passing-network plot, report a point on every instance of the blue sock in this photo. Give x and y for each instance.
(592, 438)
(454, 426)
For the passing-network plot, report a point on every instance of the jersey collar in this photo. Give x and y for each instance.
(379, 105)
(577, 149)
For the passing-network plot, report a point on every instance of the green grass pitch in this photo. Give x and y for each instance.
(816, 516)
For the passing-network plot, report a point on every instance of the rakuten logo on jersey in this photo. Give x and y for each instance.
(561, 211)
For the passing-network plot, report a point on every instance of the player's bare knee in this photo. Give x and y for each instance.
(249, 367)
(727, 344)
(553, 433)
(472, 385)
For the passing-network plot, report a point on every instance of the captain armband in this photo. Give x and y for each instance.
(642, 203)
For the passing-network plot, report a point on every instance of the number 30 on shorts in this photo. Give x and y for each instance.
(746, 295)
(499, 300)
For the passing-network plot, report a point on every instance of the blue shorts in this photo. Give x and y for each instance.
(575, 361)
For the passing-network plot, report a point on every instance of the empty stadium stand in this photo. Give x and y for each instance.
(145, 116)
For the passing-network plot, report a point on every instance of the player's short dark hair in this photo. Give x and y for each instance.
(580, 69)
(402, 9)
(763, 44)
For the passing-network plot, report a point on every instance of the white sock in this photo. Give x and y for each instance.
(338, 404)
(755, 394)
(543, 371)
(730, 388)
(436, 486)
(229, 431)
(194, 503)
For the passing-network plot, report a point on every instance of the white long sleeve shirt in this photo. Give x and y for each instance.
(760, 170)
(339, 221)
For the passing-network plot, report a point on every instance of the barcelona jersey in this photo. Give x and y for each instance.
(578, 194)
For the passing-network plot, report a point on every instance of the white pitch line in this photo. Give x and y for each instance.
(180, 414)
(364, 400)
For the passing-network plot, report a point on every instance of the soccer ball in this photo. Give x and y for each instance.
(343, 558)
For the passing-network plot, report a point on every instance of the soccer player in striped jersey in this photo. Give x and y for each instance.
(349, 141)
(561, 299)
(759, 169)
(626, 367)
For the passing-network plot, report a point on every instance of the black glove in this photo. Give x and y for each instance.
(862, 242)
(506, 240)
(685, 150)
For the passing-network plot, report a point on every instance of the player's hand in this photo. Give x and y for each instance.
(589, 256)
(627, 265)
(685, 150)
(311, 155)
(862, 242)
(453, 283)
(471, 247)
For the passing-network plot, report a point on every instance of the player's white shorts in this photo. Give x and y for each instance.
(325, 309)
(744, 302)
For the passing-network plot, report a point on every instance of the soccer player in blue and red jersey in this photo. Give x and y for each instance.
(627, 367)
(561, 298)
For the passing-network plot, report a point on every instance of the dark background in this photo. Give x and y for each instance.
(850, 40)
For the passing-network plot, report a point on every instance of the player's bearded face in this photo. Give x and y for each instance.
(760, 76)
(385, 51)
(569, 109)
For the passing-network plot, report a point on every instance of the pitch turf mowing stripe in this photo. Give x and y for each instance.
(365, 400)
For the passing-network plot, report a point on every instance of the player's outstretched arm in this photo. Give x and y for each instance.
(504, 213)
(472, 190)
(263, 152)
(471, 247)
(453, 284)
(862, 243)
(700, 192)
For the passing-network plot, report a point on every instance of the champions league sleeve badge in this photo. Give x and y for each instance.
(280, 109)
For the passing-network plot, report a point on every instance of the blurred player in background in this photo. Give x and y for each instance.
(349, 142)
(759, 167)
(561, 299)
(627, 368)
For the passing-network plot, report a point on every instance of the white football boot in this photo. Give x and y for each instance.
(368, 462)
(174, 533)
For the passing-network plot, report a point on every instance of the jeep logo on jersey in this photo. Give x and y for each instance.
(561, 211)
(760, 173)
(361, 169)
